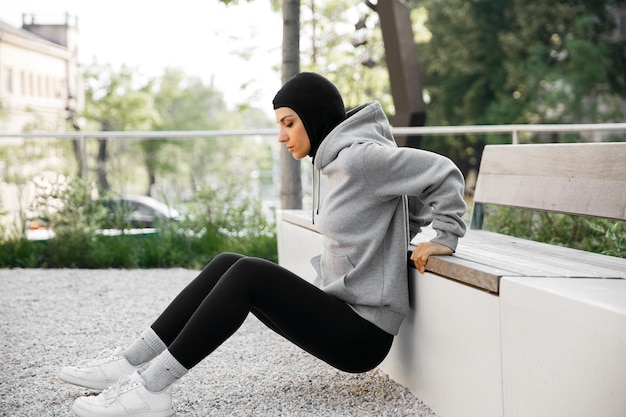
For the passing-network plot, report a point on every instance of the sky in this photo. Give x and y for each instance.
(201, 37)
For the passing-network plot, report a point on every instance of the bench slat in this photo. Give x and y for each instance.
(587, 160)
(603, 198)
(586, 179)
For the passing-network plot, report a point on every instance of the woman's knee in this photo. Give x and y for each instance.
(254, 266)
(249, 271)
(225, 260)
(218, 267)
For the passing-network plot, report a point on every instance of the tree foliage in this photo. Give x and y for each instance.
(117, 100)
(539, 61)
(486, 62)
(502, 62)
(183, 103)
(341, 41)
(124, 100)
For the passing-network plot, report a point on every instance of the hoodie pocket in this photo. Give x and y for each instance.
(335, 266)
(334, 273)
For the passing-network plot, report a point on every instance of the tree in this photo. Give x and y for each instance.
(494, 62)
(183, 103)
(551, 71)
(290, 182)
(171, 102)
(187, 103)
(341, 42)
(499, 62)
(115, 101)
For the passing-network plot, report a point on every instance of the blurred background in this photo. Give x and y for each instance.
(103, 105)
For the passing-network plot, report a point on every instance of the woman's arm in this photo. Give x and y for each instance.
(433, 178)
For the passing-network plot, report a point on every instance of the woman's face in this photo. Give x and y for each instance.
(292, 132)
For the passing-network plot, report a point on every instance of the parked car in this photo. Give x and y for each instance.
(129, 214)
(138, 212)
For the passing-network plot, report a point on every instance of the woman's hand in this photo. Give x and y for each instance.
(424, 250)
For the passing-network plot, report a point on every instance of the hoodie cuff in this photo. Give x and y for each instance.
(447, 239)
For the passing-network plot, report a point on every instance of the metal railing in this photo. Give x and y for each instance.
(513, 130)
(517, 134)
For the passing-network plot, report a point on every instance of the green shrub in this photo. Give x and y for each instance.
(218, 221)
(21, 253)
(596, 235)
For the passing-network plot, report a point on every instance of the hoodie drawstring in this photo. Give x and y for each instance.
(315, 206)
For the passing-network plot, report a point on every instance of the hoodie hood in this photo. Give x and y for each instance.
(367, 123)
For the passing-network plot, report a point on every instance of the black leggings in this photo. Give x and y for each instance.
(215, 304)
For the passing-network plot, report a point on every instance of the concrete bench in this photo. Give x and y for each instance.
(506, 326)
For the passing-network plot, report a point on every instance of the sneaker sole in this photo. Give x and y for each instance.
(96, 385)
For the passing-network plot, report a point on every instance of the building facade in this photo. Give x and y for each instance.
(40, 81)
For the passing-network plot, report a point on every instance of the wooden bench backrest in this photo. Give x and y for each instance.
(578, 178)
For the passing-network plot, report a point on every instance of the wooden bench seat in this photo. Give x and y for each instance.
(483, 257)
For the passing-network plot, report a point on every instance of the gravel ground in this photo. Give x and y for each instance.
(52, 318)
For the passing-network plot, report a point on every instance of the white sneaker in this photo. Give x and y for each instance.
(129, 397)
(100, 373)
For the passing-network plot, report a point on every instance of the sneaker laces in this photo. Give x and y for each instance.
(102, 357)
(125, 383)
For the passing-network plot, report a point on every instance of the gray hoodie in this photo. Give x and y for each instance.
(361, 211)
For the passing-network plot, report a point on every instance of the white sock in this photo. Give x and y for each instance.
(145, 348)
(163, 372)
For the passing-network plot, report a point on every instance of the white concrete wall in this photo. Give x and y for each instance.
(563, 347)
(297, 244)
(448, 349)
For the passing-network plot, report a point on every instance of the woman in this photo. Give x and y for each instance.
(350, 315)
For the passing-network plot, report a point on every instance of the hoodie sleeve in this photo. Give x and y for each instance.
(434, 179)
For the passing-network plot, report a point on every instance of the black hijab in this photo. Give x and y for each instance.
(317, 102)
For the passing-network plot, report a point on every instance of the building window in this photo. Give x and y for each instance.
(30, 85)
(23, 83)
(8, 81)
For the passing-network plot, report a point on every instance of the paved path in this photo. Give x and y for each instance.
(50, 318)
